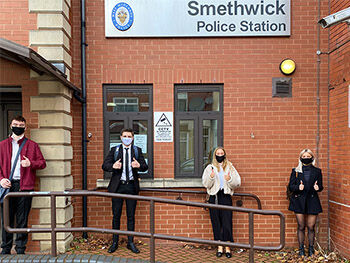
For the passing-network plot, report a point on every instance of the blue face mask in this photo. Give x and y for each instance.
(126, 141)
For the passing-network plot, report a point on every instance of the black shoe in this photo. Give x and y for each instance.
(219, 254)
(5, 252)
(132, 247)
(228, 254)
(311, 251)
(301, 251)
(113, 247)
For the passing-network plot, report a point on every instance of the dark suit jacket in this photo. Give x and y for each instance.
(117, 173)
(306, 201)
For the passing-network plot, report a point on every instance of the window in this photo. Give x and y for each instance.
(125, 104)
(198, 118)
(129, 106)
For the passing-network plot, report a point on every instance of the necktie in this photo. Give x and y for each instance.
(127, 164)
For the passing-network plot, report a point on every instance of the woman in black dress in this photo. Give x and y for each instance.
(305, 182)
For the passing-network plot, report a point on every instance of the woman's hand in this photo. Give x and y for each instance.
(227, 177)
(212, 172)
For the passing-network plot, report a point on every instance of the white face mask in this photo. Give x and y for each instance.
(126, 141)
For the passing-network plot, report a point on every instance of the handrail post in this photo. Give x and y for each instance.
(152, 246)
(53, 225)
(251, 237)
(282, 230)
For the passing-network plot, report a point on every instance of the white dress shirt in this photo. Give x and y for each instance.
(124, 166)
(15, 147)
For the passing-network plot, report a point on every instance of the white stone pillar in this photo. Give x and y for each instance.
(54, 138)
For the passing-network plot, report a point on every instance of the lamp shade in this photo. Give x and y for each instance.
(287, 66)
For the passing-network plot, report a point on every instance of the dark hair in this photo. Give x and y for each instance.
(18, 118)
(127, 130)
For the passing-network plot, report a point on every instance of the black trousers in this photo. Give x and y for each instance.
(117, 207)
(19, 211)
(221, 220)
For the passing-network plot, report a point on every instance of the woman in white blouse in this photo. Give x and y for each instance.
(221, 178)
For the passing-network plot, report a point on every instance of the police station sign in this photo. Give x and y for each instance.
(196, 18)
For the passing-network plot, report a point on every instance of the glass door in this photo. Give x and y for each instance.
(129, 106)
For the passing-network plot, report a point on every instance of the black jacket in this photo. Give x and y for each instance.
(117, 173)
(307, 200)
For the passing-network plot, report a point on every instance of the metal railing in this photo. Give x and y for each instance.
(180, 192)
(151, 235)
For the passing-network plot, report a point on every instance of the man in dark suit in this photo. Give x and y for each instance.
(124, 162)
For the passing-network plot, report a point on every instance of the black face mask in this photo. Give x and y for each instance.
(220, 159)
(307, 160)
(18, 130)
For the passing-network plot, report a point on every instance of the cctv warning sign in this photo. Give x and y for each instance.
(163, 126)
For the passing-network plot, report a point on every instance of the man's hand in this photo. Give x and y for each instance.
(135, 163)
(25, 162)
(316, 187)
(301, 186)
(5, 183)
(117, 165)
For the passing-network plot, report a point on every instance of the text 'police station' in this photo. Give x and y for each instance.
(238, 9)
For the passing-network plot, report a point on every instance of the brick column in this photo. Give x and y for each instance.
(51, 39)
(54, 138)
(53, 31)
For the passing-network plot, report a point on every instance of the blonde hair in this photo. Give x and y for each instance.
(216, 163)
(299, 168)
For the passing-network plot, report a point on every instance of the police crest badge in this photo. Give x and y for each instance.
(122, 16)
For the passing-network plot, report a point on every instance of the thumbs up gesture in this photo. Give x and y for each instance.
(135, 163)
(316, 186)
(117, 164)
(227, 177)
(212, 174)
(25, 162)
(301, 186)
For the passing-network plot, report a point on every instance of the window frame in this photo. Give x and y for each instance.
(128, 118)
(198, 117)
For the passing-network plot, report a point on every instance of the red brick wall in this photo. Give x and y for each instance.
(16, 21)
(76, 112)
(282, 126)
(339, 134)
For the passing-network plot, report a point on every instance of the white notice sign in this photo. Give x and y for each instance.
(163, 126)
(140, 140)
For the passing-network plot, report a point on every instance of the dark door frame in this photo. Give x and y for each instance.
(8, 101)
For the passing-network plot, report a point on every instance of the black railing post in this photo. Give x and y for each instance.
(251, 237)
(53, 226)
(282, 230)
(152, 246)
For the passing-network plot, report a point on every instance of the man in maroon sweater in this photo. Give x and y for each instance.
(30, 160)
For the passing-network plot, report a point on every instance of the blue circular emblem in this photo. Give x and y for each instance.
(122, 16)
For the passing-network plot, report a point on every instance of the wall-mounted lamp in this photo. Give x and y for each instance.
(287, 66)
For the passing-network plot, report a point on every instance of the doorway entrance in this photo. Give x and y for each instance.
(129, 106)
(10, 106)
